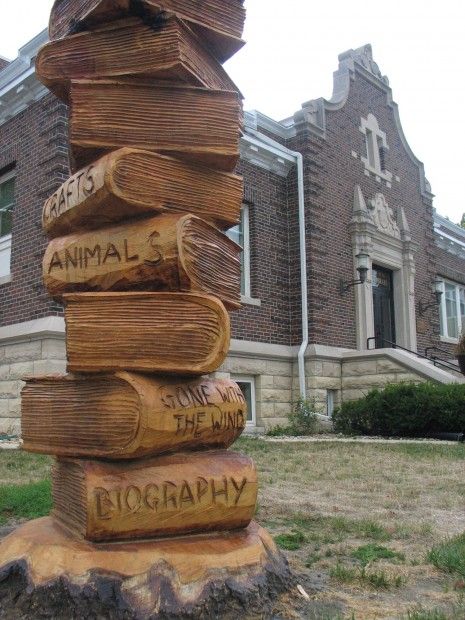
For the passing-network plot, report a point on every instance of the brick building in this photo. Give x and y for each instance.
(331, 194)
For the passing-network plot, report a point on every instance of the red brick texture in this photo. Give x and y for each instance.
(34, 144)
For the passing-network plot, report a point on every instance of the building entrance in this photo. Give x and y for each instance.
(383, 307)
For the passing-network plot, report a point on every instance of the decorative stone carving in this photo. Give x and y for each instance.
(383, 216)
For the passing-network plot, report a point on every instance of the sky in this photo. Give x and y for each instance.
(291, 54)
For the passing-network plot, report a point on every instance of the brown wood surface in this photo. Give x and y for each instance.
(174, 333)
(130, 48)
(220, 24)
(130, 182)
(126, 415)
(164, 253)
(50, 553)
(197, 124)
(164, 496)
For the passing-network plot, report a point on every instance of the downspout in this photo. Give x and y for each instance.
(302, 250)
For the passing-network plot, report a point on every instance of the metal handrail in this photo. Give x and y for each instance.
(436, 361)
(437, 349)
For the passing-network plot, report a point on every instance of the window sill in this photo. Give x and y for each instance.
(5, 279)
(385, 175)
(448, 340)
(250, 301)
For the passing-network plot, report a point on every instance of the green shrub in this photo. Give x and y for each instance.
(303, 419)
(404, 410)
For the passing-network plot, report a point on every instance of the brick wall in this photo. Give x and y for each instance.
(34, 143)
(266, 195)
(331, 172)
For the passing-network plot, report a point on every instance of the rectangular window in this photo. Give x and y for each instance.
(331, 397)
(370, 148)
(7, 199)
(452, 310)
(240, 234)
(247, 385)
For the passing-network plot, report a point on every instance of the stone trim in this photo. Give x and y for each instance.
(50, 326)
(248, 348)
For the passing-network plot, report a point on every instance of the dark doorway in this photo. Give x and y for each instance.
(383, 307)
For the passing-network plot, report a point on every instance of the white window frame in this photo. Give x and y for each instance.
(249, 379)
(331, 397)
(245, 215)
(5, 241)
(246, 294)
(442, 309)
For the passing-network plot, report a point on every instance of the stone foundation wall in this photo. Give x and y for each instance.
(361, 376)
(38, 347)
(32, 348)
(273, 386)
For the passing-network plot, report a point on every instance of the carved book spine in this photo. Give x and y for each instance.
(166, 496)
(165, 253)
(183, 333)
(171, 52)
(193, 123)
(127, 416)
(219, 23)
(130, 182)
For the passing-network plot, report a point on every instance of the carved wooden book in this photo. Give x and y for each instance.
(130, 48)
(131, 182)
(220, 23)
(193, 123)
(126, 415)
(164, 253)
(169, 495)
(183, 333)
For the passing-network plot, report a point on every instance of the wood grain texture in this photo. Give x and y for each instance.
(174, 333)
(131, 182)
(197, 124)
(164, 253)
(130, 48)
(165, 578)
(165, 496)
(126, 416)
(220, 24)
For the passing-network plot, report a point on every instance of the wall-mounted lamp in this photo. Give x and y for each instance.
(362, 264)
(437, 292)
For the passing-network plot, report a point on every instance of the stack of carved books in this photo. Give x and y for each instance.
(139, 257)
(154, 129)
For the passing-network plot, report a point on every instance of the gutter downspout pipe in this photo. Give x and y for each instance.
(302, 248)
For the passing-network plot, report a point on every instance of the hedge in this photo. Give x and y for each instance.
(404, 410)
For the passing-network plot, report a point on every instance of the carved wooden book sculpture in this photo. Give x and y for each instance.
(165, 253)
(218, 22)
(126, 415)
(152, 514)
(183, 333)
(169, 53)
(195, 123)
(130, 182)
(170, 495)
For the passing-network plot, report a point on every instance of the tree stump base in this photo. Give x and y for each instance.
(44, 572)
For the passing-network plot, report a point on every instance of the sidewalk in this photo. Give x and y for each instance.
(361, 439)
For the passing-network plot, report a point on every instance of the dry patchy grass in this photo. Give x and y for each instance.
(356, 521)
(331, 505)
